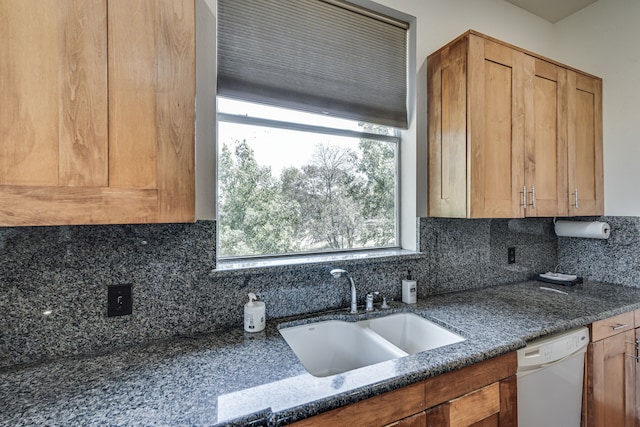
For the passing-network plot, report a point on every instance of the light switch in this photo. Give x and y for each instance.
(119, 300)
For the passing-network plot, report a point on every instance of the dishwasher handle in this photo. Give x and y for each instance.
(524, 371)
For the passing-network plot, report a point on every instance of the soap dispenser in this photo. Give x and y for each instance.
(254, 314)
(409, 290)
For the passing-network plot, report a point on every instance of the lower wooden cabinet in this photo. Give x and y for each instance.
(489, 406)
(417, 420)
(612, 373)
(483, 394)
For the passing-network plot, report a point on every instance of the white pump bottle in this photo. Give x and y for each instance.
(254, 314)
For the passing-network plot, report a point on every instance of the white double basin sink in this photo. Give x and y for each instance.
(331, 347)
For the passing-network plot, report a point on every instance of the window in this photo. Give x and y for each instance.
(292, 187)
(311, 94)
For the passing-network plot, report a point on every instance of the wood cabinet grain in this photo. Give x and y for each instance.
(510, 133)
(545, 138)
(612, 373)
(97, 125)
(53, 76)
(586, 183)
(380, 410)
(483, 394)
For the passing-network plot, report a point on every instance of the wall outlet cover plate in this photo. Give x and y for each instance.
(119, 300)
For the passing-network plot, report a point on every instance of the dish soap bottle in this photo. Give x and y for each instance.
(409, 290)
(254, 314)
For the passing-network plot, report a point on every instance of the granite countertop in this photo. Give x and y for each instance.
(236, 378)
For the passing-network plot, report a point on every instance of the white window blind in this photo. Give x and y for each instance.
(313, 55)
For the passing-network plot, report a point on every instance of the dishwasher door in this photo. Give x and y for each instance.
(550, 378)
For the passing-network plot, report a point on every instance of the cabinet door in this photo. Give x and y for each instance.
(585, 145)
(53, 92)
(493, 405)
(545, 138)
(151, 103)
(636, 315)
(447, 122)
(613, 380)
(479, 406)
(98, 112)
(496, 128)
(636, 379)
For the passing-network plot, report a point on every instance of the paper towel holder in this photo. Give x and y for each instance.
(582, 229)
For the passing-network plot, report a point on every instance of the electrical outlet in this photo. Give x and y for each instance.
(511, 255)
(119, 300)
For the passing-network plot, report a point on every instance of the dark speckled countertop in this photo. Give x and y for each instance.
(233, 378)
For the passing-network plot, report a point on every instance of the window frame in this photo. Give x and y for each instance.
(412, 177)
(324, 130)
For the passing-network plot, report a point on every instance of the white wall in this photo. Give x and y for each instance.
(440, 21)
(604, 39)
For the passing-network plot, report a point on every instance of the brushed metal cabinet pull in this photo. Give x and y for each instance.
(533, 196)
(619, 326)
(636, 348)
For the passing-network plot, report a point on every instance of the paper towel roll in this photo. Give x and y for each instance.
(585, 229)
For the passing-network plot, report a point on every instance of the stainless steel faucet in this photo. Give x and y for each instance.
(338, 272)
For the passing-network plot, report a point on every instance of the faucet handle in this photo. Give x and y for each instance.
(369, 302)
(384, 303)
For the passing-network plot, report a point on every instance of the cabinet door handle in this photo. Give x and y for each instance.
(637, 349)
(619, 326)
(524, 197)
(637, 358)
(533, 196)
(576, 200)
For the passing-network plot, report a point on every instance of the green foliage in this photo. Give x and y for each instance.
(341, 199)
(377, 193)
(255, 217)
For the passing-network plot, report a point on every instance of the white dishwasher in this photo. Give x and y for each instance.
(550, 374)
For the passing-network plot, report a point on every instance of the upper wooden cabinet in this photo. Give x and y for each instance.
(545, 134)
(97, 118)
(586, 185)
(511, 134)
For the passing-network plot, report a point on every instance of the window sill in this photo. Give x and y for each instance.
(304, 261)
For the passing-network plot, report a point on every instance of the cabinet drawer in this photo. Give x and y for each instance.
(476, 406)
(470, 410)
(380, 410)
(457, 383)
(611, 326)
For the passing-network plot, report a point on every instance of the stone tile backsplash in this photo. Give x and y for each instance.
(472, 253)
(53, 285)
(614, 260)
(177, 291)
